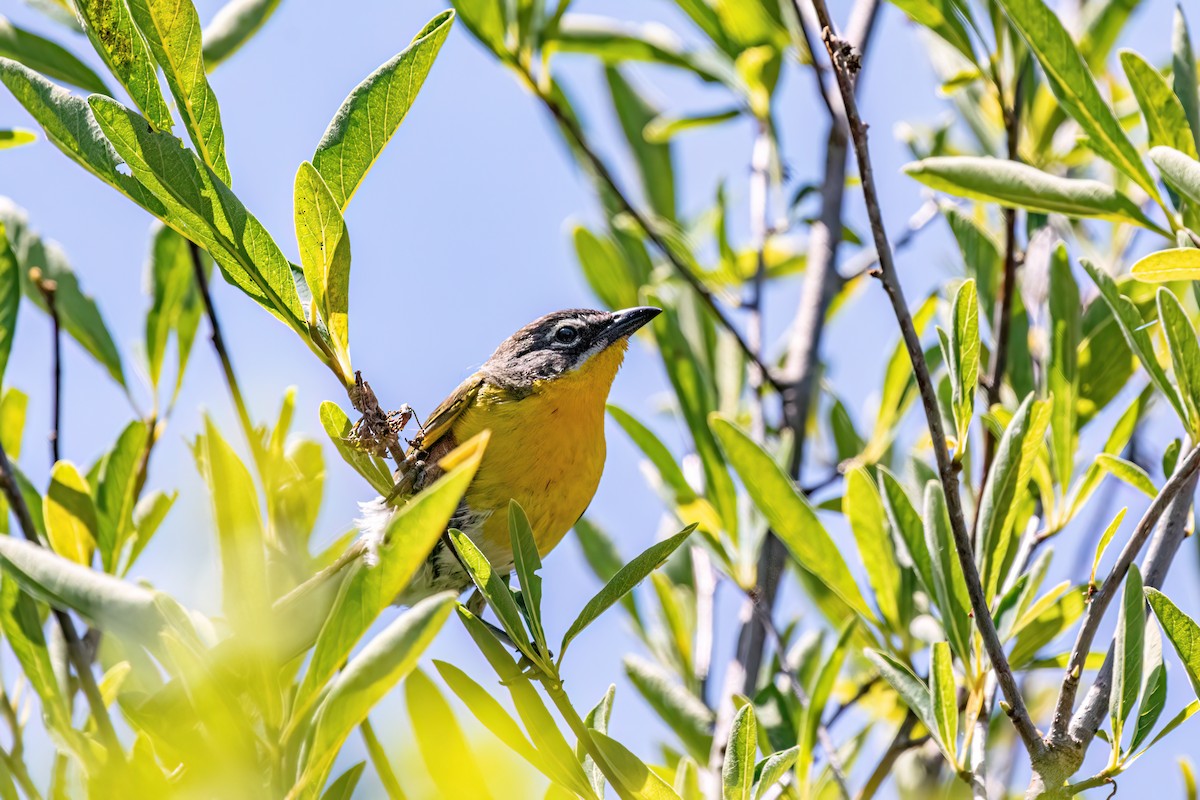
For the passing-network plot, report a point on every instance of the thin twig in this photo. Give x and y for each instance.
(601, 170)
(49, 291)
(1184, 476)
(845, 64)
(75, 649)
(901, 743)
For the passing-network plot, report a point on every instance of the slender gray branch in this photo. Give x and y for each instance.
(845, 66)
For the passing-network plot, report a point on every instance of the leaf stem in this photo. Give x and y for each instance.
(553, 685)
(845, 64)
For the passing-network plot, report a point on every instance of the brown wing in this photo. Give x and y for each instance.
(442, 419)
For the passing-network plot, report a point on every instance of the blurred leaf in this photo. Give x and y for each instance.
(1182, 632)
(1183, 72)
(737, 773)
(234, 24)
(10, 298)
(602, 556)
(444, 749)
(1062, 373)
(653, 160)
(175, 302)
(819, 689)
(913, 693)
(370, 115)
(1128, 472)
(684, 713)
(1127, 652)
(864, 511)
(343, 787)
(15, 137)
(111, 28)
(1047, 626)
(908, 525)
(117, 491)
(770, 771)
(605, 268)
(789, 514)
(411, 534)
(944, 692)
(1166, 120)
(1075, 88)
(172, 29)
(21, 621)
(70, 514)
(944, 18)
(1105, 538)
(489, 712)
(1177, 264)
(1184, 351)
(898, 390)
(47, 57)
(665, 127)
(201, 207)
(1016, 185)
(337, 426)
(639, 781)
(148, 515)
(1178, 170)
(380, 665)
(1132, 326)
(622, 583)
(485, 20)
(324, 245)
(526, 563)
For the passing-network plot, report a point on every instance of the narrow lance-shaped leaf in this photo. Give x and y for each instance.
(374, 110)
(1127, 651)
(1127, 471)
(1166, 119)
(10, 298)
(444, 749)
(684, 713)
(15, 137)
(653, 160)
(526, 563)
(116, 38)
(949, 587)
(1183, 71)
(489, 712)
(1021, 186)
(864, 511)
(116, 493)
(1105, 539)
(325, 254)
(737, 773)
(819, 691)
(1184, 350)
(622, 583)
(944, 693)
(964, 349)
(1075, 88)
(337, 426)
(232, 26)
(1062, 374)
(1181, 631)
(47, 57)
(1154, 687)
(1179, 171)
(494, 588)
(172, 29)
(912, 691)
(1176, 264)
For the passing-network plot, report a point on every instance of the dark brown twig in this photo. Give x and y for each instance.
(845, 65)
(49, 291)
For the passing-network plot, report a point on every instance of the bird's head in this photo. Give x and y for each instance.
(563, 343)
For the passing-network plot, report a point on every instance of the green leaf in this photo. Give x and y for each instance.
(819, 690)
(494, 588)
(1062, 373)
(1132, 327)
(21, 622)
(325, 253)
(1102, 545)
(343, 787)
(1154, 687)
(1183, 70)
(1185, 352)
(1179, 171)
(1017, 185)
(172, 29)
(371, 674)
(665, 127)
(1177, 264)
(175, 302)
(116, 38)
(15, 137)
(232, 26)
(10, 298)
(489, 712)
(1127, 652)
(1047, 625)
(789, 514)
(1185, 713)
(605, 268)
(684, 713)
(374, 110)
(964, 358)
(864, 511)
(949, 589)
(374, 469)
(737, 773)
(944, 692)
(772, 769)
(597, 719)
(945, 18)
(526, 563)
(1181, 631)
(444, 748)
(653, 160)
(1166, 120)
(639, 781)
(47, 57)
(116, 492)
(194, 201)
(148, 515)
(913, 693)
(70, 514)
(112, 605)
(485, 20)
(622, 583)
(411, 534)
(1128, 472)
(1075, 88)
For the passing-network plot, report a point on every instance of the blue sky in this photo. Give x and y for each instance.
(459, 237)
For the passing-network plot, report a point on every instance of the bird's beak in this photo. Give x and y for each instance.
(627, 321)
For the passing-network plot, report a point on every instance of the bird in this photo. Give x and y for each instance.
(541, 396)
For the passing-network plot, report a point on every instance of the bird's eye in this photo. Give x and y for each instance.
(566, 334)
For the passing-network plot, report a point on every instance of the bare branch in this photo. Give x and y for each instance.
(845, 66)
(49, 291)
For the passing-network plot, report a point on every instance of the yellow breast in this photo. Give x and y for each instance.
(546, 452)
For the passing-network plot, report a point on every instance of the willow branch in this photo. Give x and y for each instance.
(642, 219)
(845, 65)
(49, 291)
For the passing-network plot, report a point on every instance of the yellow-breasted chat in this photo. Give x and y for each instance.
(541, 396)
